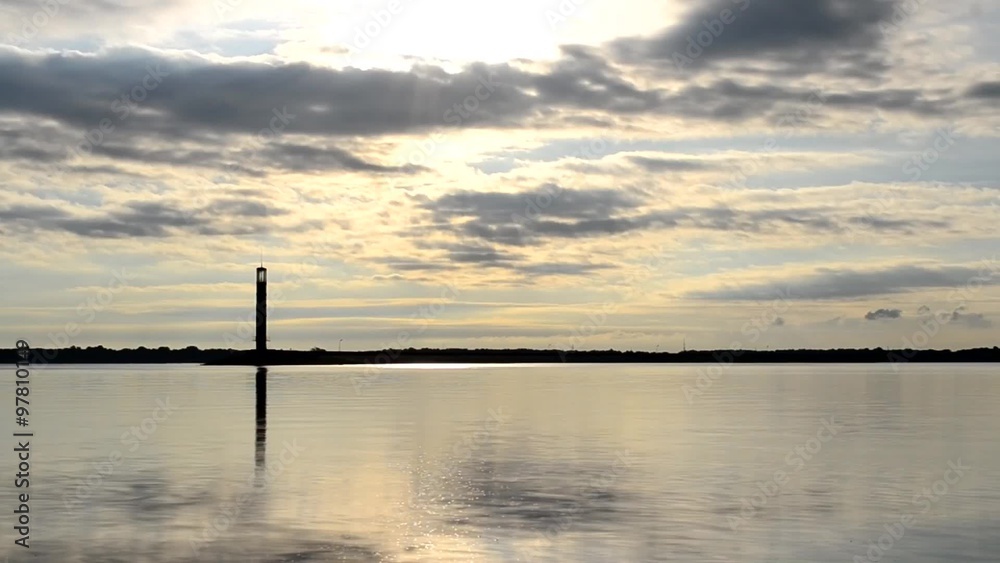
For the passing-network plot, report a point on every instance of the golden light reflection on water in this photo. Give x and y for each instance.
(511, 463)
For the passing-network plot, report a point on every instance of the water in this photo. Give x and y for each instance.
(512, 463)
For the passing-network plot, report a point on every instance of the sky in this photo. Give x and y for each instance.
(585, 174)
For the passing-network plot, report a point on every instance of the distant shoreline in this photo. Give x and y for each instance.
(224, 357)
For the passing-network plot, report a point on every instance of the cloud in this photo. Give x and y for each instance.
(481, 255)
(879, 314)
(478, 254)
(651, 164)
(827, 283)
(985, 90)
(797, 37)
(183, 108)
(159, 219)
(411, 265)
(971, 320)
(957, 316)
(55, 150)
(304, 158)
(561, 269)
(538, 216)
(184, 95)
(550, 199)
(727, 99)
(514, 218)
(30, 22)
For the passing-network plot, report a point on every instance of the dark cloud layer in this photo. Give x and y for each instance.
(58, 150)
(303, 158)
(795, 36)
(184, 95)
(149, 102)
(550, 212)
(459, 254)
(141, 219)
(657, 165)
(985, 90)
(848, 284)
(519, 219)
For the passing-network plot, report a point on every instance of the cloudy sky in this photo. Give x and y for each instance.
(590, 173)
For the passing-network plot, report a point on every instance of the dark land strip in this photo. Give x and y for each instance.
(222, 357)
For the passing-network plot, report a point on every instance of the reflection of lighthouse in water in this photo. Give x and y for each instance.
(261, 435)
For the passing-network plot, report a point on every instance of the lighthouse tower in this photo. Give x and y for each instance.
(261, 336)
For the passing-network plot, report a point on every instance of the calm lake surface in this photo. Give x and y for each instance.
(511, 463)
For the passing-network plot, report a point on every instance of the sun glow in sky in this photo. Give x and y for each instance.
(588, 174)
(382, 32)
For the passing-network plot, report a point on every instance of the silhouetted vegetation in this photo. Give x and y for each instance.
(317, 356)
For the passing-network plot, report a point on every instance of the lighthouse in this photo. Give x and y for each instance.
(261, 336)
